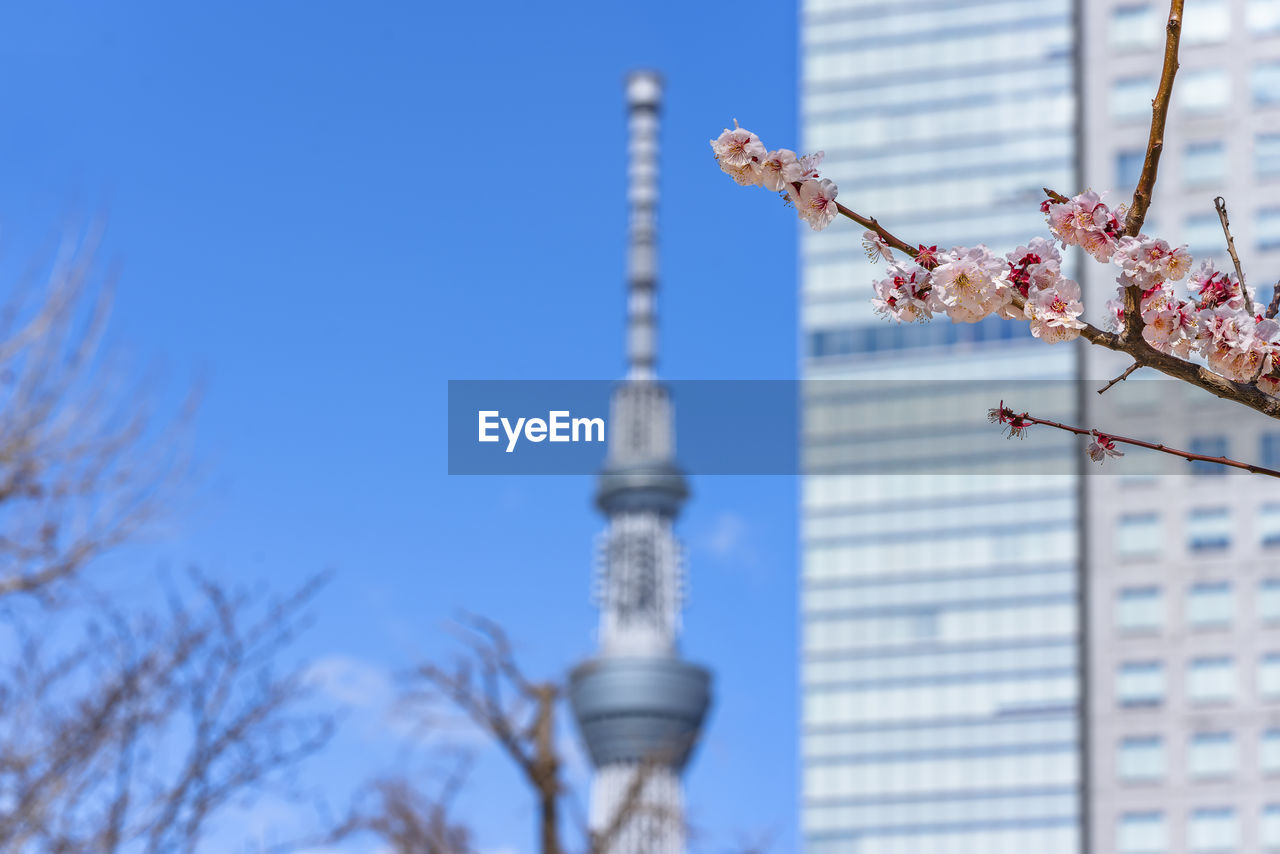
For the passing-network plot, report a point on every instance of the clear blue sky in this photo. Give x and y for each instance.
(328, 211)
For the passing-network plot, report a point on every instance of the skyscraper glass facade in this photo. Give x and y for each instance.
(940, 682)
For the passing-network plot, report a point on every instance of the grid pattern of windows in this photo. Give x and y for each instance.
(940, 693)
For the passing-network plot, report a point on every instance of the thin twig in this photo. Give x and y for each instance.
(1018, 422)
(1220, 204)
(1122, 377)
(1274, 308)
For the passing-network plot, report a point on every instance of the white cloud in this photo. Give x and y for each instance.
(352, 682)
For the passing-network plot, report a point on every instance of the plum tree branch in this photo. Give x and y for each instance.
(1017, 424)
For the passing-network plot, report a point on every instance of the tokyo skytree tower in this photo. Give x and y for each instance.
(638, 705)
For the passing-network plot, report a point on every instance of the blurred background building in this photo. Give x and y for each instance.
(943, 688)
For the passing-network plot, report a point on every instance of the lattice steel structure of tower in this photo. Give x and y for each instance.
(638, 705)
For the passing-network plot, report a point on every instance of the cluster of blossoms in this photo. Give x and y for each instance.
(968, 284)
(745, 159)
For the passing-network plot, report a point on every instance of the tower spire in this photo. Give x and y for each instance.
(644, 102)
(638, 705)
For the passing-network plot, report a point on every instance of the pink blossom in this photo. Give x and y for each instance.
(773, 168)
(740, 154)
(875, 246)
(1085, 221)
(1214, 289)
(1148, 261)
(1102, 446)
(905, 295)
(1054, 312)
(971, 284)
(817, 202)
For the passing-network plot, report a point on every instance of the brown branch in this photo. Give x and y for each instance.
(1018, 422)
(1274, 308)
(1220, 204)
(1137, 212)
(1124, 376)
(870, 222)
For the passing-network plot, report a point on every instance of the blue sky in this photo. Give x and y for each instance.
(327, 211)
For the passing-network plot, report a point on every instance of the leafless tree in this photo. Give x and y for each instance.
(487, 684)
(123, 728)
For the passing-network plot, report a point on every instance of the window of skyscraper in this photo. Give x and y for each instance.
(1266, 154)
(1210, 603)
(1264, 80)
(1131, 97)
(1211, 679)
(1269, 598)
(1270, 450)
(1140, 683)
(1204, 90)
(1269, 524)
(1141, 833)
(1269, 676)
(1209, 446)
(1204, 162)
(1212, 754)
(1269, 827)
(1267, 228)
(1139, 609)
(1208, 528)
(1140, 758)
(1139, 535)
(1205, 21)
(1263, 16)
(1203, 235)
(1213, 829)
(1135, 25)
(1129, 167)
(1269, 752)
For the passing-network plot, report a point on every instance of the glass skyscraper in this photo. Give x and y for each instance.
(940, 640)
